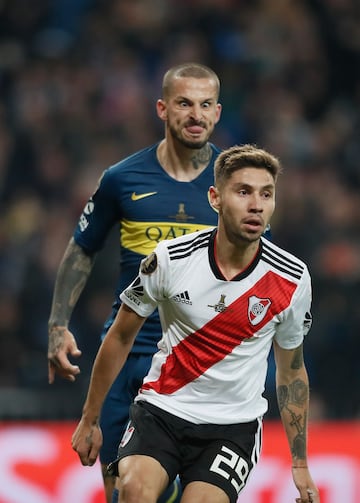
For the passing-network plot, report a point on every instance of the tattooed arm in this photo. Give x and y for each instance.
(292, 388)
(72, 276)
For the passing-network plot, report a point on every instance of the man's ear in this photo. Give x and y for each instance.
(218, 112)
(214, 198)
(161, 109)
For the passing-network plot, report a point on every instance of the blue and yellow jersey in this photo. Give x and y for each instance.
(148, 206)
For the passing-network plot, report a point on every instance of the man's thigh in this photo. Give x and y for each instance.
(202, 492)
(142, 478)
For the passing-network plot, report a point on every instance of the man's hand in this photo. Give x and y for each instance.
(61, 344)
(305, 485)
(86, 441)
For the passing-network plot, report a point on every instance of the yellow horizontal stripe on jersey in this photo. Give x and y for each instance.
(142, 237)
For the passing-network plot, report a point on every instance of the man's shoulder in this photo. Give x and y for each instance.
(138, 160)
(184, 246)
(282, 259)
(215, 148)
(215, 152)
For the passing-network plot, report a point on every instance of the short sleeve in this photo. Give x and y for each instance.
(297, 319)
(147, 290)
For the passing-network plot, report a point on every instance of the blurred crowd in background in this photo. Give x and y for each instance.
(78, 84)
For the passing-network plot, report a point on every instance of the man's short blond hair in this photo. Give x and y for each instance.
(193, 70)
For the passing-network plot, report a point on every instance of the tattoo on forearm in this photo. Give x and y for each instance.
(298, 447)
(295, 394)
(76, 291)
(73, 275)
(79, 273)
(299, 392)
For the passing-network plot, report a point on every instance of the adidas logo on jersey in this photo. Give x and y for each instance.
(183, 297)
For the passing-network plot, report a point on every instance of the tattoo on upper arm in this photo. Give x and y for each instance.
(298, 358)
(81, 262)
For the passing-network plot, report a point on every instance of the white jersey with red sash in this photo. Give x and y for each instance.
(217, 334)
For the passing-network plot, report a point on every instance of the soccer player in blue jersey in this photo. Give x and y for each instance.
(158, 193)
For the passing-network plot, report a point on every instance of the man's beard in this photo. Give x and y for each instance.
(238, 236)
(194, 144)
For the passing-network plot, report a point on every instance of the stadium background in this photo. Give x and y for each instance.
(78, 85)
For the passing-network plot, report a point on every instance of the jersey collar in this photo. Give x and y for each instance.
(215, 269)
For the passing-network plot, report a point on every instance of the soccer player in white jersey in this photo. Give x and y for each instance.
(225, 297)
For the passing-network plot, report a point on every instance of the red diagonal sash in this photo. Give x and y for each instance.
(219, 336)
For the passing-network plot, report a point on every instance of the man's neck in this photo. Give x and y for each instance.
(232, 259)
(182, 163)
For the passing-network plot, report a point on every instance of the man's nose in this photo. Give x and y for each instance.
(256, 202)
(196, 112)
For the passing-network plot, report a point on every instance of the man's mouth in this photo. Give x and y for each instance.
(195, 129)
(253, 223)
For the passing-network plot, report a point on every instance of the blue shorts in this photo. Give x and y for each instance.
(115, 412)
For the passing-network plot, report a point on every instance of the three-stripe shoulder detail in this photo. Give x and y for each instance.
(186, 248)
(271, 255)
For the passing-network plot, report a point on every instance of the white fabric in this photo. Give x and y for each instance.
(212, 360)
